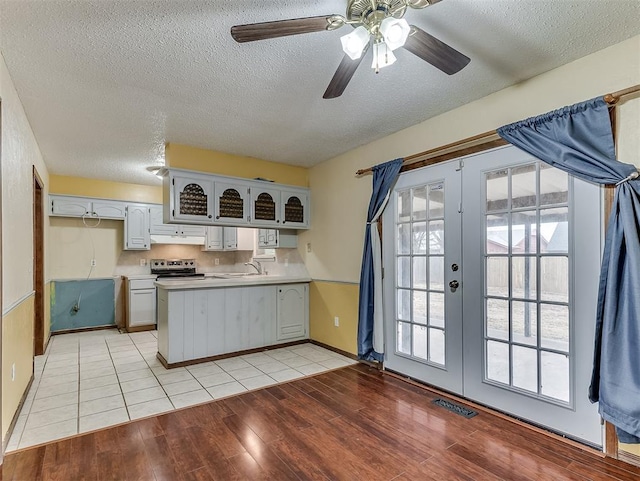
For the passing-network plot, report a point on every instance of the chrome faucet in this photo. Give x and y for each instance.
(256, 265)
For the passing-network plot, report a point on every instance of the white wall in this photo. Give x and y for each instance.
(20, 152)
(340, 199)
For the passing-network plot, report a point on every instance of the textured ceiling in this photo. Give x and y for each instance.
(106, 83)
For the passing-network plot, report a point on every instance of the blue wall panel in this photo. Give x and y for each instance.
(82, 304)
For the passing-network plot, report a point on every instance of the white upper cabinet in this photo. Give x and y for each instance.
(207, 199)
(109, 209)
(69, 206)
(136, 227)
(158, 227)
(265, 206)
(191, 198)
(229, 239)
(294, 209)
(231, 203)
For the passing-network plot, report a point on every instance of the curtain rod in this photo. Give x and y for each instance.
(611, 99)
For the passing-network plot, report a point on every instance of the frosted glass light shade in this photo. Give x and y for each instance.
(395, 32)
(382, 56)
(353, 44)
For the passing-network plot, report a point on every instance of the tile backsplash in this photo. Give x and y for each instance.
(228, 261)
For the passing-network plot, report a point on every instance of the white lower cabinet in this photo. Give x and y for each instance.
(293, 311)
(141, 304)
(200, 323)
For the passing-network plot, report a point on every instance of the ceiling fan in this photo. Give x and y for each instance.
(378, 24)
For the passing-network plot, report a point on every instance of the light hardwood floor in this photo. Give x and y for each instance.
(348, 424)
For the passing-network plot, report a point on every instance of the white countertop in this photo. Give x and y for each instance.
(142, 276)
(211, 283)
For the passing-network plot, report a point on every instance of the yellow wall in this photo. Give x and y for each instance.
(340, 199)
(185, 157)
(17, 348)
(104, 189)
(326, 301)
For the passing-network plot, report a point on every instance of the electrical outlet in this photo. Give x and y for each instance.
(216, 261)
(93, 262)
(143, 262)
(336, 321)
(286, 262)
(308, 246)
(13, 371)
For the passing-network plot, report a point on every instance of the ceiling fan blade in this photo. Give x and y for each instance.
(280, 28)
(435, 52)
(343, 75)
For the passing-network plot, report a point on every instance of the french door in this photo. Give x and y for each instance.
(495, 261)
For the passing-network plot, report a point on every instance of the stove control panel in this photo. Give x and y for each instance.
(170, 264)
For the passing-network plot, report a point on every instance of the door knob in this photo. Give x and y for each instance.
(454, 284)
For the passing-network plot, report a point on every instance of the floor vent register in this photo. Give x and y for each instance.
(455, 408)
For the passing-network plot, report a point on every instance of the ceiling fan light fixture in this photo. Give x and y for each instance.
(382, 56)
(353, 44)
(395, 32)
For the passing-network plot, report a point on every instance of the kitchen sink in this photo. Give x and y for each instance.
(232, 275)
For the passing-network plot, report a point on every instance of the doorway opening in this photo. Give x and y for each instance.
(38, 263)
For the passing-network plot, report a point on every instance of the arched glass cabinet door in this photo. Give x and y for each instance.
(192, 199)
(231, 204)
(265, 206)
(294, 207)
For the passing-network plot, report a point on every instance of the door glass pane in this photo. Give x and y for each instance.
(554, 321)
(420, 342)
(497, 190)
(436, 346)
(420, 272)
(525, 368)
(420, 307)
(523, 186)
(497, 234)
(527, 279)
(404, 239)
(436, 273)
(554, 227)
(554, 185)
(404, 206)
(436, 200)
(523, 277)
(404, 337)
(555, 375)
(436, 237)
(436, 309)
(420, 238)
(524, 322)
(419, 200)
(554, 278)
(498, 361)
(404, 304)
(497, 276)
(404, 272)
(497, 316)
(523, 232)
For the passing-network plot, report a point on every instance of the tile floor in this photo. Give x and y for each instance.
(88, 381)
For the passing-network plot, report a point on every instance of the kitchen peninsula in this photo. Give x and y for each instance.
(203, 318)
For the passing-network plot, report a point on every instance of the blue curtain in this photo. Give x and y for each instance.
(384, 176)
(579, 140)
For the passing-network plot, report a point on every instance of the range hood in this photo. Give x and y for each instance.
(177, 239)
